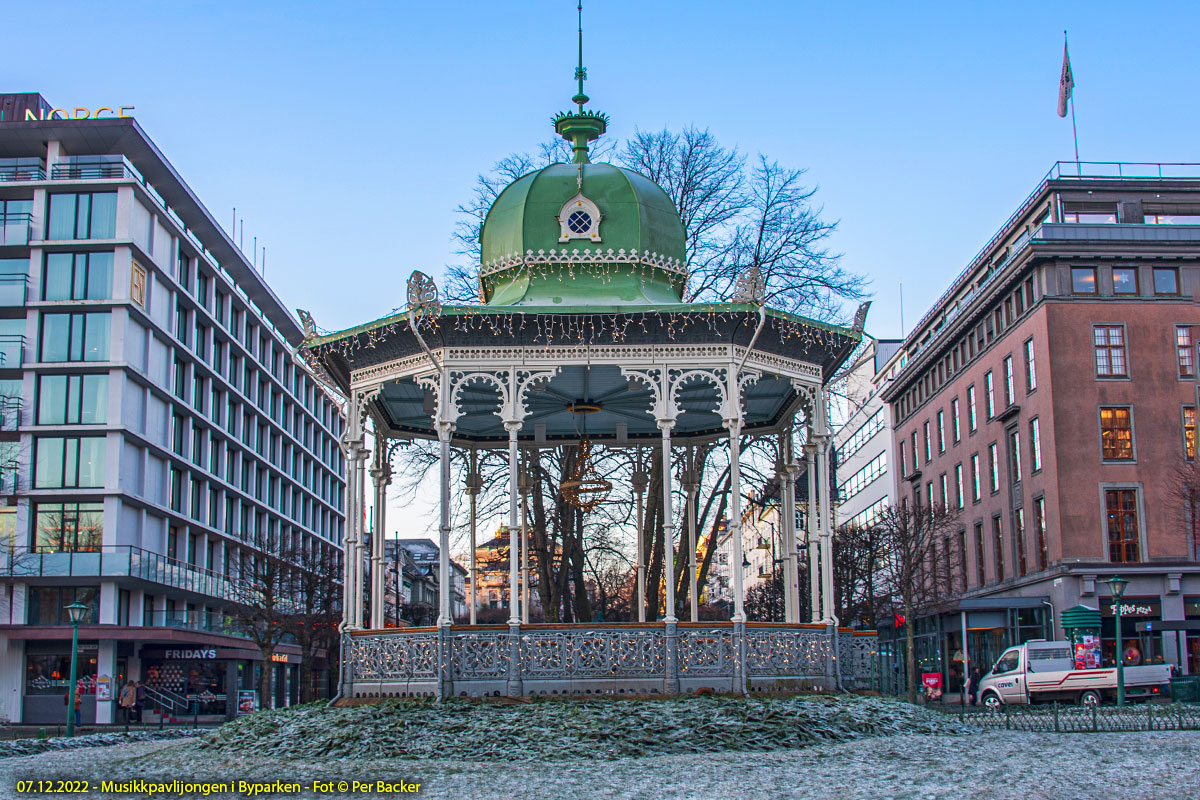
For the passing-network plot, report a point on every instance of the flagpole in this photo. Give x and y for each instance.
(1074, 132)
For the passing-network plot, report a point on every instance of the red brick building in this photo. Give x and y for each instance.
(1049, 398)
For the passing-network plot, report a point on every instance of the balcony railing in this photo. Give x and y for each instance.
(90, 172)
(13, 289)
(12, 350)
(1068, 170)
(118, 561)
(208, 622)
(14, 229)
(22, 169)
(10, 413)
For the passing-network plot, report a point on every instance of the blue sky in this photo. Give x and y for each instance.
(346, 133)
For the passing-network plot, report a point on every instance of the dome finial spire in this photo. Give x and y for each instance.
(580, 71)
(580, 127)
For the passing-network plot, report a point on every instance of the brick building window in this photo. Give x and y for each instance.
(1030, 367)
(962, 559)
(928, 453)
(972, 415)
(1110, 350)
(1189, 432)
(975, 494)
(1121, 505)
(1166, 280)
(998, 546)
(1019, 534)
(941, 431)
(1116, 434)
(989, 394)
(1083, 280)
(1039, 521)
(1125, 280)
(993, 468)
(954, 427)
(1010, 384)
(1186, 351)
(1035, 445)
(958, 486)
(1014, 449)
(980, 573)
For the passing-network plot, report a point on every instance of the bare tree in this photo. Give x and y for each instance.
(1185, 497)
(859, 595)
(909, 535)
(264, 602)
(315, 610)
(764, 601)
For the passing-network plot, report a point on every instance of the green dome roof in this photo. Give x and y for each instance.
(543, 245)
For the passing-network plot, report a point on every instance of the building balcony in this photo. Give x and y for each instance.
(1112, 232)
(12, 350)
(13, 289)
(22, 169)
(208, 622)
(117, 561)
(92, 168)
(14, 229)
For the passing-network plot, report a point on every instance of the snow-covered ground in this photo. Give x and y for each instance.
(986, 766)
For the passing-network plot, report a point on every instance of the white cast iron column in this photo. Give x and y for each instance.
(639, 482)
(514, 615)
(445, 578)
(523, 486)
(381, 476)
(733, 423)
(814, 572)
(691, 486)
(665, 425)
(474, 484)
(785, 473)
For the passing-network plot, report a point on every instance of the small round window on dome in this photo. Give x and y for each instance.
(579, 222)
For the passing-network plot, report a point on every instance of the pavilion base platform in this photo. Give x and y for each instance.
(605, 660)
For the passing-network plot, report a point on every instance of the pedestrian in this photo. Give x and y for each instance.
(126, 700)
(78, 706)
(973, 685)
(139, 703)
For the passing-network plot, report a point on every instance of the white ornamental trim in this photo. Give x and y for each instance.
(584, 258)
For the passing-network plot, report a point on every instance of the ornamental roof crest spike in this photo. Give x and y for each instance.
(423, 294)
(751, 287)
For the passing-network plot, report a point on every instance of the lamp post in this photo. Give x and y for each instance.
(75, 613)
(1117, 584)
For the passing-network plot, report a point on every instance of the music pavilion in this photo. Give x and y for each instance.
(583, 338)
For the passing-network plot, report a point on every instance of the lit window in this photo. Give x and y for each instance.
(1189, 432)
(1125, 280)
(1121, 505)
(1116, 434)
(1083, 280)
(1110, 350)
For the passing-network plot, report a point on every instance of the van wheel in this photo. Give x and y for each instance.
(992, 702)
(1089, 698)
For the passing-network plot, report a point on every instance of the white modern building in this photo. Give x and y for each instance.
(158, 430)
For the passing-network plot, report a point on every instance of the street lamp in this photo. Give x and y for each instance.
(75, 613)
(1116, 585)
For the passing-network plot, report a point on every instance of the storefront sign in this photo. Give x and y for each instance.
(1132, 608)
(104, 688)
(185, 655)
(80, 113)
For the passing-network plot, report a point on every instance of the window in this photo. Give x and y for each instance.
(989, 394)
(928, 453)
(1189, 432)
(861, 479)
(69, 462)
(1030, 367)
(1019, 535)
(975, 493)
(1186, 351)
(860, 437)
(72, 400)
(1110, 350)
(1039, 521)
(941, 431)
(1010, 391)
(945, 491)
(1116, 434)
(972, 418)
(1035, 445)
(1125, 280)
(954, 427)
(916, 457)
(993, 468)
(959, 498)
(1083, 280)
(69, 527)
(903, 467)
(75, 337)
(137, 284)
(1090, 212)
(1014, 449)
(83, 216)
(998, 546)
(981, 573)
(1171, 214)
(1166, 280)
(1121, 505)
(48, 606)
(78, 276)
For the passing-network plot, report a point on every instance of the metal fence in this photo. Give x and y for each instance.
(1058, 718)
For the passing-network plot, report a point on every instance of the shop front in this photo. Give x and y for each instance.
(212, 683)
(1144, 646)
(48, 675)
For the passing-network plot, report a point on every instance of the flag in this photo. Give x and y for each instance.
(1066, 83)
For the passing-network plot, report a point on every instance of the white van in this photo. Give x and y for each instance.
(1041, 671)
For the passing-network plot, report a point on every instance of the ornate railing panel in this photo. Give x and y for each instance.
(786, 653)
(393, 657)
(862, 661)
(705, 653)
(569, 654)
(479, 656)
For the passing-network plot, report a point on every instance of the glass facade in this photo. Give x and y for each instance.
(78, 276)
(72, 400)
(75, 337)
(69, 462)
(48, 604)
(82, 216)
(68, 527)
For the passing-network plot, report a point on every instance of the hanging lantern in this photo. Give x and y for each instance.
(584, 488)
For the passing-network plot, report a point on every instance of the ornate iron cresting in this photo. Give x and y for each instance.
(589, 659)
